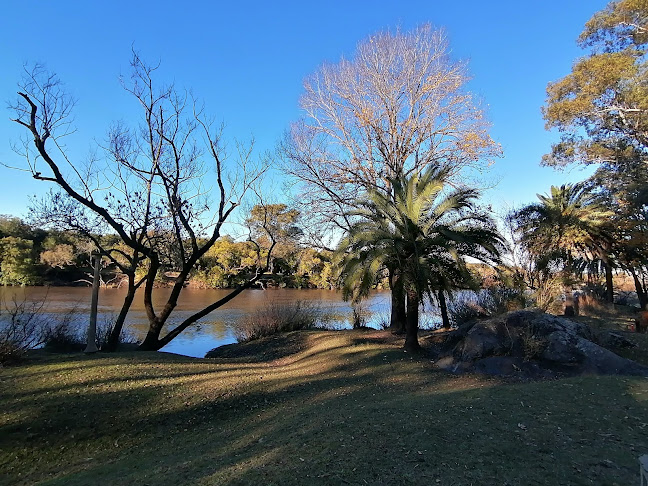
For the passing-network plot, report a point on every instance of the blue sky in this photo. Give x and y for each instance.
(247, 61)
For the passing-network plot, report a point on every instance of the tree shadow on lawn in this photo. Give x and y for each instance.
(332, 433)
(364, 416)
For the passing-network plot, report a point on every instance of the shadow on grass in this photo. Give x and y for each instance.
(341, 415)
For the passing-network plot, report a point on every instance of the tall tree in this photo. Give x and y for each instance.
(601, 107)
(601, 111)
(397, 106)
(624, 187)
(152, 192)
(424, 229)
(568, 223)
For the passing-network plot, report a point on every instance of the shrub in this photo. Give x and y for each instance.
(485, 303)
(358, 315)
(383, 320)
(276, 318)
(105, 328)
(25, 325)
(547, 291)
(64, 333)
(67, 333)
(21, 329)
(532, 345)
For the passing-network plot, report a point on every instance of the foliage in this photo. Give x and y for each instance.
(275, 220)
(563, 232)
(17, 262)
(532, 345)
(63, 258)
(570, 221)
(276, 226)
(600, 107)
(600, 110)
(548, 287)
(276, 318)
(421, 234)
(61, 255)
(226, 264)
(315, 269)
(424, 231)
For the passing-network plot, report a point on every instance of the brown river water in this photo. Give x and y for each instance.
(216, 329)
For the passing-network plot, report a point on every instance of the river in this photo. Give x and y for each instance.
(216, 329)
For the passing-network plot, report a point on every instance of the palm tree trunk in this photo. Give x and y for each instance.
(411, 322)
(641, 292)
(609, 288)
(398, 314)
(443, 307)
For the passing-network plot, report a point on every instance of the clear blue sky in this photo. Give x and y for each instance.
(247, 61)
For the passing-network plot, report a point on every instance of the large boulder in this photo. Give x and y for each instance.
(535, 344)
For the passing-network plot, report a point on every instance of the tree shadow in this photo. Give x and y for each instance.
(356, 415)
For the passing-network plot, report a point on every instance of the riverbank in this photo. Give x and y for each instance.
(324, 408)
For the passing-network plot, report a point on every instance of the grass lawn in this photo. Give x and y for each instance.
(322, 408)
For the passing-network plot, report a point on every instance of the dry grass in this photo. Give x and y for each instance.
(336, 408)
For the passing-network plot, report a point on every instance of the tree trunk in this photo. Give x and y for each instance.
(411, 322)
(115, 333)
(641, 292)
(152, 340)
(398, 314)
(443, 307)
(609, 286)
(91, 340)
(569, 309)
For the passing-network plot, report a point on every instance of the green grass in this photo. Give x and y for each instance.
(337, 408)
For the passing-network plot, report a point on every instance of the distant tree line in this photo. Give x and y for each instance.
(35, 256)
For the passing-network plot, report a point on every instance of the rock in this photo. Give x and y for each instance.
(562, 348)
(599, 360)
(536, 344)
(485, 341)
(545, 324)
(612, 339)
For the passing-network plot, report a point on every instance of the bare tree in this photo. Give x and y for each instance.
(150, 189)
(397, 106)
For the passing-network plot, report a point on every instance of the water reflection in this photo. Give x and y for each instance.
(214, 330)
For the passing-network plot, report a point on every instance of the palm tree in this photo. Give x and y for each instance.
(422, 232)
(568, 225)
